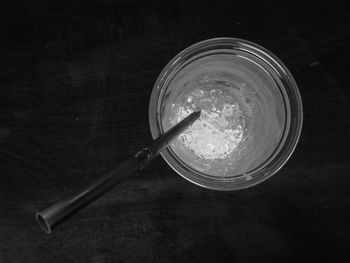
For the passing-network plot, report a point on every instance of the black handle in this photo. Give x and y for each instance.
(89, 192)
(74, 201)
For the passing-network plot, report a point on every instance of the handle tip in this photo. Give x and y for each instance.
(44, 225)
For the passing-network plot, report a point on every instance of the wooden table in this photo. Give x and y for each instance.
(76, 78)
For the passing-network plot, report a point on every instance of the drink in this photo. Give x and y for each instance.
(242, 115)
(247, 103)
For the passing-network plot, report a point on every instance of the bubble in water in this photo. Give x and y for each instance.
(219, 130)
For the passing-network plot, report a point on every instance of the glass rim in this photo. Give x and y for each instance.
(293, 120)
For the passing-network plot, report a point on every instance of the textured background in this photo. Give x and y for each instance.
(76, 78)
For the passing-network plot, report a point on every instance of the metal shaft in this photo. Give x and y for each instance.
(160, 143)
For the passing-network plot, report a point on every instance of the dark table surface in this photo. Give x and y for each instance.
(76, 78)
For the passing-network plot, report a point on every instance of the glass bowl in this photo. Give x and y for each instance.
(249, 101)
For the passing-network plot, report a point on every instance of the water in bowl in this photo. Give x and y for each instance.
(242, 116)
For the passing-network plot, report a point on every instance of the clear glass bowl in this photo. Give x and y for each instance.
(270, 111)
